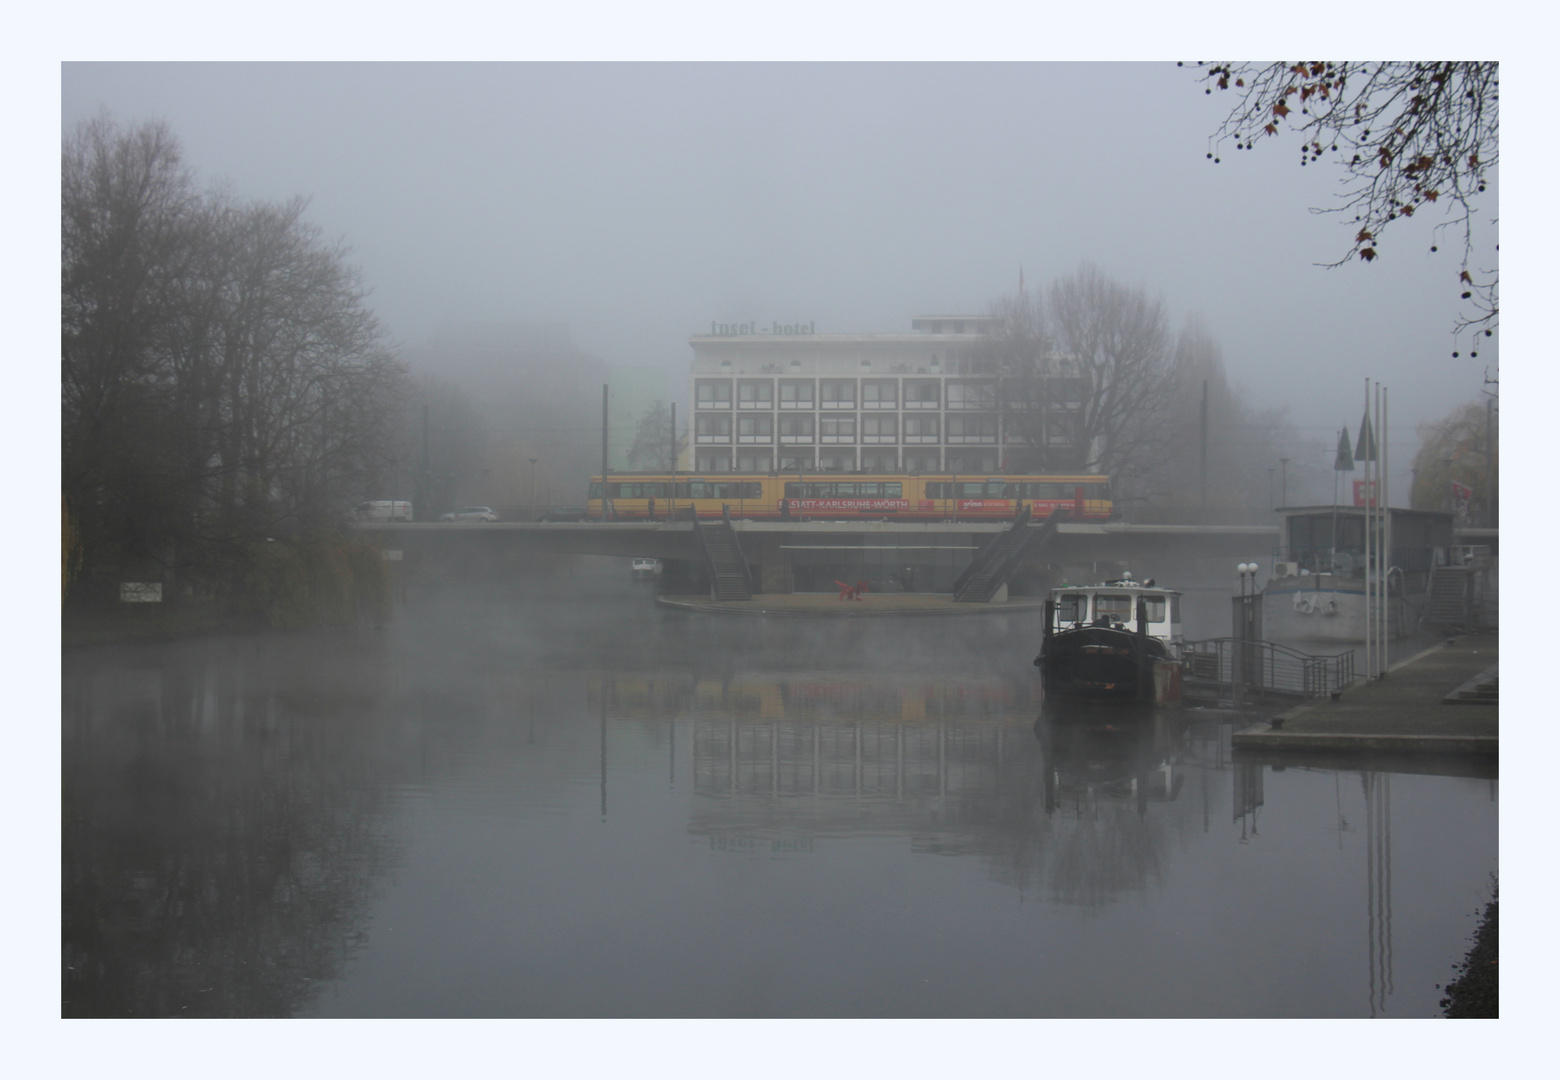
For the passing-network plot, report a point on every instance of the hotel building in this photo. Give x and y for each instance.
(777, 399)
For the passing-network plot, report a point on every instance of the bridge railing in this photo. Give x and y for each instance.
(1265, 667)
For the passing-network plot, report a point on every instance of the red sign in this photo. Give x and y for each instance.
(1359, 492)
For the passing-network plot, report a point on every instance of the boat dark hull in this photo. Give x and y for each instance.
(1096, 663)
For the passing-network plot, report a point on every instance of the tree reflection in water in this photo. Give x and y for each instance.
(220, 836)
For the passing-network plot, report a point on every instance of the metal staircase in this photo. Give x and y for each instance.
(998, 560)
(730, 578)
(1449, 600)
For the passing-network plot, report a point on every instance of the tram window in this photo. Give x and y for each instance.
(749, 489)
(864, 488)
(934, 489)
(997, 489)
(971, 489)
(1116, 605)
(595, 490)
(893, 490)
(793, 490)
(1070, 605)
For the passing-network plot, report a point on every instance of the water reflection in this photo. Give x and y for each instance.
(441, 821)
(1079, 809)
(223, 830)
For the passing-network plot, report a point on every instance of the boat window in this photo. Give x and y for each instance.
(1116, 605)
(1175, 610)
(1069, 605)
(1156, 608)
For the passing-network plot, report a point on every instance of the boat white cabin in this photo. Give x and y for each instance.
(1115, 604)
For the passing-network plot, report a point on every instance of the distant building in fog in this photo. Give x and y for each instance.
(779, 397)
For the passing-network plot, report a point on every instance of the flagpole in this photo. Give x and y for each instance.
(1365, 443)
(1386, 535)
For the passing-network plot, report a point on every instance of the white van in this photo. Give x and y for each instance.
(383, 510)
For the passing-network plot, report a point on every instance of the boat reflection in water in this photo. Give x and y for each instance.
(1079, 807)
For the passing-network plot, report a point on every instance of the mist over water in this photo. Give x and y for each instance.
(551, 798)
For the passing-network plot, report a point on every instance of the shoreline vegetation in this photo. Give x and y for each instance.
(1475, 993)
(282, 586)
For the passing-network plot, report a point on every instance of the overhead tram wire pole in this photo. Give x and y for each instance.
(604, 503)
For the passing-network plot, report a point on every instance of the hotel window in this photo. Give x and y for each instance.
(972, 461)
(711, 428)
(880, 393)
(972, 394)
(796, 393)
(792, 460)
(759, 394)
(836, 461)
(879, 429)
(922, 461)
(879, 461)
(708, 461)
(922, 394)
(921, 429)
(837, 394)
(754, 461)
(755, 429)
(712, 393)
(972, 429)
(837, 429)
(796, 429)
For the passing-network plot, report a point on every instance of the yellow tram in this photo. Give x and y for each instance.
(844, 497)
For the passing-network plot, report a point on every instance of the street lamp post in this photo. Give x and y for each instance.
(533, 488)
(1283, 483)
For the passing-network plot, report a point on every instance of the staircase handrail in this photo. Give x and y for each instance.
(736, 544)
(993, 551)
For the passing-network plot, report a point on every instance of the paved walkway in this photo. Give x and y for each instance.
(827, 606)
(1417, 708)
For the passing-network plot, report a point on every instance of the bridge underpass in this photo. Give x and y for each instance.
(810, 556)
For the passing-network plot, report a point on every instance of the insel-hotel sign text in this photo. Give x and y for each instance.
(724, 329)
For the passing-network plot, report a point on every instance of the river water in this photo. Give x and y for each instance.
(554, 799)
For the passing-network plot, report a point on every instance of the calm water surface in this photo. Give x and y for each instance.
(576, 804)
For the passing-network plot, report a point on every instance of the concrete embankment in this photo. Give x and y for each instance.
(1443, 701)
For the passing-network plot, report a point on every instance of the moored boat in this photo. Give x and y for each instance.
(1115, 641)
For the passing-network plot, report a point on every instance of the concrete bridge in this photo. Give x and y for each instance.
(789, 556)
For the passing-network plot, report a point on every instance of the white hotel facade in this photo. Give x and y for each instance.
(777, 398)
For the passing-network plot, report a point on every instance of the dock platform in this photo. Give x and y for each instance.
(1445, 700)
(827, 606)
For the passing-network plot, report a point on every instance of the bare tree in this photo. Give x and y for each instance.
(1030, 386)
(1221, 452)
(1117, 343)
(223, 381)
(653, 442)
(1407, 136)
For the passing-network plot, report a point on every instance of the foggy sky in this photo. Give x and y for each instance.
(638, 202)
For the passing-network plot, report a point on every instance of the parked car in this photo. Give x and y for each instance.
(645, 568)
(470, 513)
